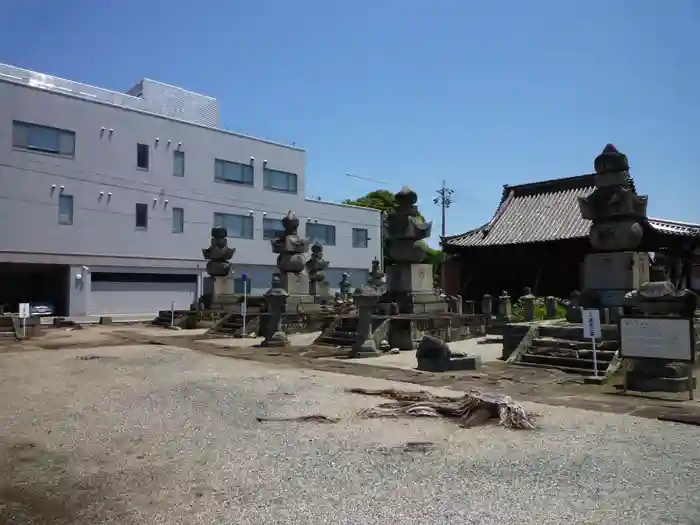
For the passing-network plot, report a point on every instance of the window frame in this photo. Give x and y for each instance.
(246, 219)
(315, 240)
(181, 223)
(178, 154)
(69, 220)
(21, 139)
(266, 231)
(136, 216)
(246, 169)
(139, 146)
(267, 185)
(365, 243)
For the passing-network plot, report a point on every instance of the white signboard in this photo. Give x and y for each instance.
(591, 324)
(657, 338)
(23, 310)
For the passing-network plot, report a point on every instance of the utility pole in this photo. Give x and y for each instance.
(444, 200)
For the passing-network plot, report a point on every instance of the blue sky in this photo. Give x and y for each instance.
(481, 94)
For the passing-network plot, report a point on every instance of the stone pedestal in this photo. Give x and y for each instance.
(528, 303)
(609, 276)
(224, 289)
(365, 299)
(550, 304)
(297, 287)
(410, 286)
(276, 298)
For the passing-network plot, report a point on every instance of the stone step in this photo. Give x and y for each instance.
(575, 332)
(574, 344)
(567, 369)
(552, 361)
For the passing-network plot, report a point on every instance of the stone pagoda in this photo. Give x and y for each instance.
(218, 256)
(316, 270)
(409, 279)
(619, 218)
(290, 248)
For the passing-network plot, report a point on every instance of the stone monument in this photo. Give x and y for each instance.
(290, 248)
(218, 256)
(276, 298)
(316, 270)
(619, 217)
(377, 278)
(409, 279)
(344, 286)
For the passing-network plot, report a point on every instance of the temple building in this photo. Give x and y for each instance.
(537, 237)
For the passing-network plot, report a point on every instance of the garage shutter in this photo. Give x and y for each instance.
(109, 297)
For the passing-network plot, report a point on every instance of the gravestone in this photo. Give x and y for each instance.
(218, 256)
(290, 248)
(409, 278)
(617, 214)
(316, 270)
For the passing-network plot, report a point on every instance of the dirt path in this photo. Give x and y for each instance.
(549, 387)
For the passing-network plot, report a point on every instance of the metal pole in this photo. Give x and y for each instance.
(172, 315)
(245, 306)
(24, 328)
(595, 359)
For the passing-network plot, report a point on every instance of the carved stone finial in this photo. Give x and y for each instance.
(611, 161)
(406, 197)
(290, 223)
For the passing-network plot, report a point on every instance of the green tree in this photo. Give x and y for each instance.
(383, 200)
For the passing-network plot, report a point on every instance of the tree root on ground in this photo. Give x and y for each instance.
(471, 409)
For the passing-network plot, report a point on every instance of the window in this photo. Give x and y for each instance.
(236, 225)
(239, 285)
(178, 163)
(142, 156)
(178, 220)
(272, 228)
(33, 137)
(321, 234)
(65, 209)
(279, 180)
(141, 216)
(234, 172)
(360, 239)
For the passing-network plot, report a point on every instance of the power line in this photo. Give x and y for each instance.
(159, 190)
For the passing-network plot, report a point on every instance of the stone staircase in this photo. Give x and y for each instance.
(7, 329)
(231, 325)
(563, 348)
(341, 332)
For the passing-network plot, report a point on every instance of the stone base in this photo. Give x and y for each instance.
(298, 303)
(615, 272)
(296, 284)
(446, 365)
(639, 383)
(414, 303)
(366, 349)
(277, 339)
(409, 278)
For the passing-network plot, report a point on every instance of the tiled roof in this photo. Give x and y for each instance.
(546, 211)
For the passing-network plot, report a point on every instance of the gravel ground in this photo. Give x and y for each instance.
(154, 434)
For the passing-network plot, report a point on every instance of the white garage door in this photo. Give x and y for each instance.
(109, 298)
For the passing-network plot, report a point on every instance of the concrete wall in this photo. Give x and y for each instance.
(106, 185)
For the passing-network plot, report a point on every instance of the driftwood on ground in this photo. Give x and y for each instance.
(471, 409)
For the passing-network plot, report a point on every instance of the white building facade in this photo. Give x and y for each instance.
(108, 198)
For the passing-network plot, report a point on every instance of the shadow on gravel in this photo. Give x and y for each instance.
(37, 487)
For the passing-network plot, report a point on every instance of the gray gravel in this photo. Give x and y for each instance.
(155, 434)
